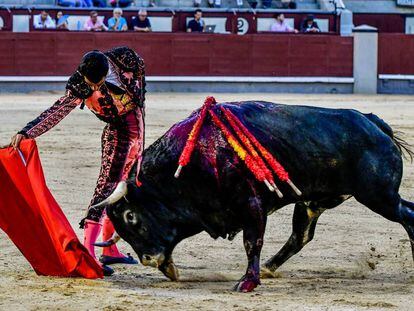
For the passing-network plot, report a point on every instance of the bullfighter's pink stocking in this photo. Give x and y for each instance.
(107, 232)
(91, 233)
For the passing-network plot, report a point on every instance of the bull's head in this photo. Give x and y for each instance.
(146, 224)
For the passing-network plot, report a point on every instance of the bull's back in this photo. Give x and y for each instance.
(320, 147)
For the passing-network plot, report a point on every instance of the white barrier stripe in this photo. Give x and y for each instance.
(396, 77)
(196, 79)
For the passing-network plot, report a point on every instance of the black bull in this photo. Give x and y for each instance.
(331, 155)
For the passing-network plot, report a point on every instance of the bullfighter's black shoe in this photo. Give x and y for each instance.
(107, 271)
(109, 260)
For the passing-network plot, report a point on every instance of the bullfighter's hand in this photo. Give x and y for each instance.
(15, 141)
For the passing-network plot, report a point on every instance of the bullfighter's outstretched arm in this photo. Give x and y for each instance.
(51, 116)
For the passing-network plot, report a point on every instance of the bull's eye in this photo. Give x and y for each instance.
(130, 217)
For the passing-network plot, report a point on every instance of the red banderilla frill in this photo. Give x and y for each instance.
(250, 161)
(251, 157)
(273, 163)
(246, 142)
(193, 136)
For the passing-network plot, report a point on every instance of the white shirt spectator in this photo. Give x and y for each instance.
(40, 23)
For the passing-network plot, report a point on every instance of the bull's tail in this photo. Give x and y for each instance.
(402, 145)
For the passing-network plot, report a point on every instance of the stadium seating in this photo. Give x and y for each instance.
(376, 6)
(301, 4)
(28, 2)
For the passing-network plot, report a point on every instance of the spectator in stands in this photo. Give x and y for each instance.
(196, 24)
(142, 22)
(309, 25)
(61, 21)
(93, 23)
(120, 3)
(43, 21)
(280, 25)
(117, 22)
(152, 3)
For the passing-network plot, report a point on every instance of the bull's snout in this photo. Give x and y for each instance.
(153, 260)
(165, 266)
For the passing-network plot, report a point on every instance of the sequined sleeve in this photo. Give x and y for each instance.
(51, 116)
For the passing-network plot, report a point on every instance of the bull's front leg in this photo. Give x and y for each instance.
(253, 232)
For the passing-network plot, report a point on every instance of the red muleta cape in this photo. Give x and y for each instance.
(33, 220)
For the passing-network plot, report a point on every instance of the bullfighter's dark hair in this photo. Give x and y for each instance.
(94, 66)
(278, 14)
(197, 10)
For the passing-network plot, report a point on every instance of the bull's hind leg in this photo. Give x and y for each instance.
(407, 220)
(377, 188)
(305, 217)
(392, 207)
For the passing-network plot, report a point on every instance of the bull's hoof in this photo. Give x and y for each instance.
(245, 286)
(266, 273)
(170, 271)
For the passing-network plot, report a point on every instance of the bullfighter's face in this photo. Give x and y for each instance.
(148, 227)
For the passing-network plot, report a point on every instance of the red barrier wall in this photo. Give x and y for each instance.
(384, 22)
(395, 54)
(181, 54)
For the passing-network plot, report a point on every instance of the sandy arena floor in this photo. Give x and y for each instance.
(357, 260)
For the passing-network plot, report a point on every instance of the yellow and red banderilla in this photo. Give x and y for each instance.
(246, 150)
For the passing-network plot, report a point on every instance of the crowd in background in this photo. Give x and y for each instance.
(141, 23)
(117, 22)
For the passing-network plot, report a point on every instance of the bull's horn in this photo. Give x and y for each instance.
(120, 191)
(113, 240)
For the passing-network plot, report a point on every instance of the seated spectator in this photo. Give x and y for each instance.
(120, 3)
(93, 23)
(142, 22)
(309, 25)
(61, 21)
(196, 24)
(43, 21)
(152, 3)
(117, 22)
(281, 25)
